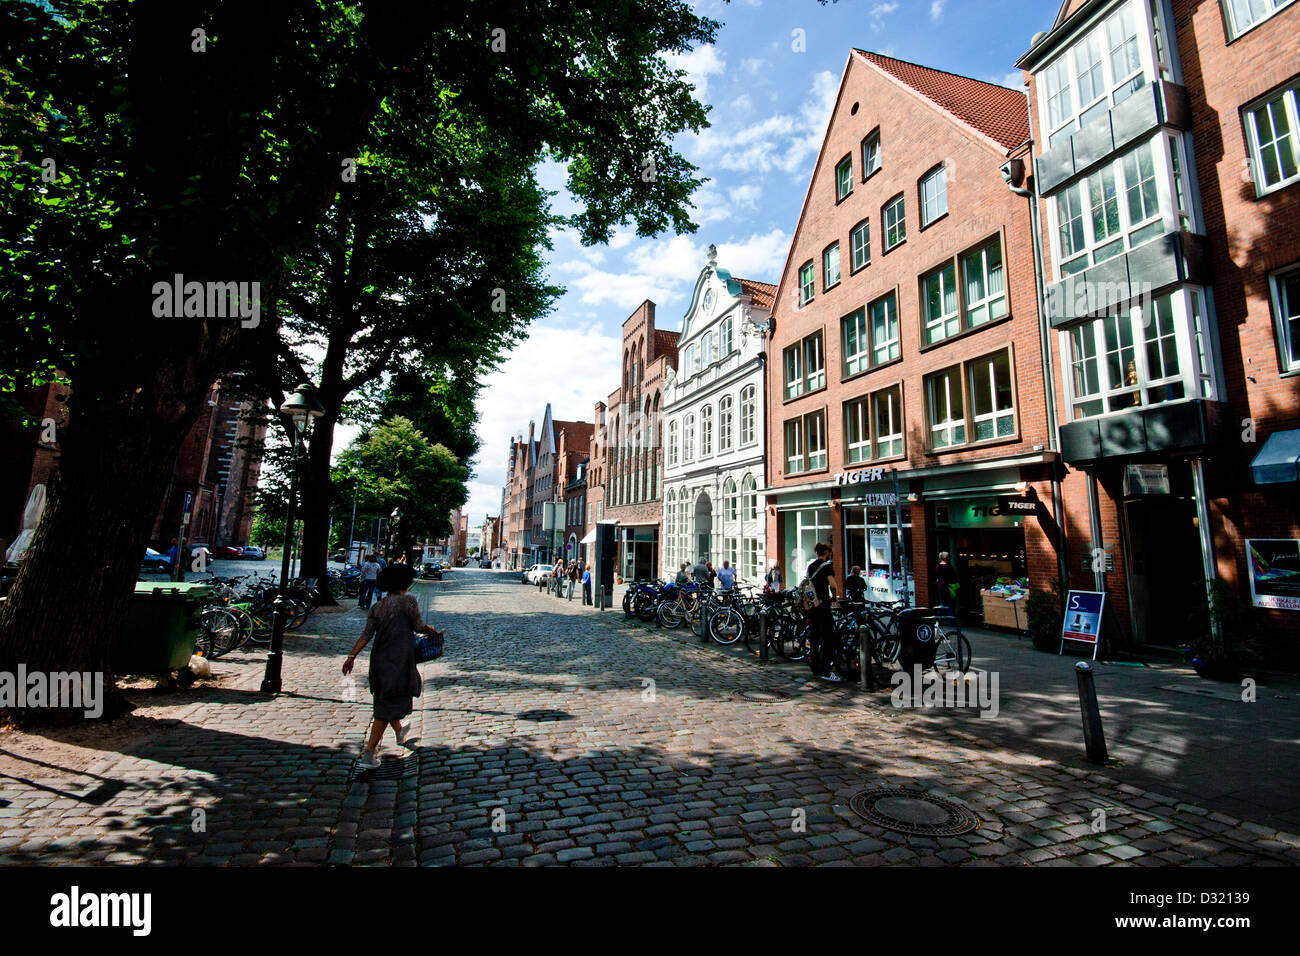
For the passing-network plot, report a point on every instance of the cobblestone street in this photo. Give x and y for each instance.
(550, 733)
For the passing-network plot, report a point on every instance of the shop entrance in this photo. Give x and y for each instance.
(639, 550)
(985, 547)
(704, 527)
(1165, 569)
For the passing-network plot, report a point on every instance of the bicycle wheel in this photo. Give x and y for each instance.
(844, 658)
(699, 616)
(953, 653)
(793, 641)
(223, 631)
(245, 621)
(627, 603)
(727, 626)
(669, 614)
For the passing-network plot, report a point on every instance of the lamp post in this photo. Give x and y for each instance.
(352, 526)
(300, 408)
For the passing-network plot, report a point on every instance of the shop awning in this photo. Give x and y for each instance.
(590, 538)
(1279, 460)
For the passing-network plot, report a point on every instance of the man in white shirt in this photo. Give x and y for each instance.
(727, 576)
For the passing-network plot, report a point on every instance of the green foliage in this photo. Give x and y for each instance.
(1045, 612)
(1233, 645)
(268, 528)
(401, 469)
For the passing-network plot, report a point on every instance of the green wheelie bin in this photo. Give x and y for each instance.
(161, 626)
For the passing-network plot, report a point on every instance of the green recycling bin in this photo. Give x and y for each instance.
(161, 626)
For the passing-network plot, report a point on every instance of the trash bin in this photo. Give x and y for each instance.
(916, 636)
(161, 625)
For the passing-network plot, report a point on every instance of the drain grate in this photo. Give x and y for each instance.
(388, 770)
(914, 812)
(762, 696)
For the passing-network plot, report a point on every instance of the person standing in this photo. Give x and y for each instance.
(855, 585)
(821, 630)
(683, 577)
(394, 678)
(774, 579)
(946, 585)
(713, 575)
(573, 578)
(369, 576)
(700, 573)
(586, 585)
(727, 576)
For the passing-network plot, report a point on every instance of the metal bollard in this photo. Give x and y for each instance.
(866, 676)
(1094, 738)
(600, 597)
(762, 637)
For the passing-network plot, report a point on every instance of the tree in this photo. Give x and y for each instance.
(147, 140)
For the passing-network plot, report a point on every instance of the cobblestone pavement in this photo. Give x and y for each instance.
(551, 733)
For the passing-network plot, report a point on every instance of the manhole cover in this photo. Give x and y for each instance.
(763, 696)
(913, 811)
(543, 715)
(388, 770)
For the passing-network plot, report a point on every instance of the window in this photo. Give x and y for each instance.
(944, 401)
(794, 446)
(1138, 355)
(1102, 69)
(831, 265)
(992, 411)
(854, 343)
(807, 282)
(672, 444)
(1245, 14)
(750, 570)
(895, 223)
(1115, 208)
(1272, 129)
(725, 337)
(939, 300)
(725, 416)
(981, 271)
(688, 439)
(748, 402)
(706, 431)
(860, 244)
(870, 154)
(844, 178)
(815, 438)
(730, 500)
(1286, 307)
(749, 495)
(934, 195)
(707, 356)
(857, 431)
(884, 329)
(793, 371)
(731, 552)
(887, 415)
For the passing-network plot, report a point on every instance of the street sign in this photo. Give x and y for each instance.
(1082, 621)
(189, 502)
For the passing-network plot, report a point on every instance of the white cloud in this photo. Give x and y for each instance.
(745, 195)
(936, 9)
(753, 64)
(878, 13)
(699, 64)
(741, 104)
(1013, 80)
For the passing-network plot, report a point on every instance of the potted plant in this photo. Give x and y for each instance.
(1045, 612)
(1220, 653)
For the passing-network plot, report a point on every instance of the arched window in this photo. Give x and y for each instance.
(730, 506)
(688, 439)
(749, 490)
(706, 431)
(747, 410)
(672, 444)
(724, 423)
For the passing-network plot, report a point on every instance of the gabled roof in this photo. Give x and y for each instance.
(762, 294)
(665, 341)
(999, 113)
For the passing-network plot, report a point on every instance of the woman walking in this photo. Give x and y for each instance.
(821, 631)
(394, 678)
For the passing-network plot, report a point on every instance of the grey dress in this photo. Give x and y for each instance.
(394, 679)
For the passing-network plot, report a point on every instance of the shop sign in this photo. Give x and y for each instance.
(978, 513)
(1082, 622)
(861, 476)
(1146, 480)
(1020, 506)
(1274, 572)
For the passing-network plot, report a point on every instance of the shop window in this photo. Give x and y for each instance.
(831, 266)
(843, 178)
(945, 409)
(1273, 126)
(887, 417)
(1286, 311)
(933, 188)
(894, 215)
(860, 244)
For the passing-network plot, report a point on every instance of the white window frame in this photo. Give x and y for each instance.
(730, 500)
(871, 156)
(706, 431)
(990, 300)
(831, 258)
(688, 438)
(726, 339)
(948, 322)
(893, 218)
(857, 430)
(860, 245)
(813, 348)
(814, 430)
(894, 396)
(748, 415)
(807, 282)
(951, 428)
(1236, 26)
(857, 353)
(1286, 102)
(933, 193)
(844, 178)
(725, 422)
(792, 366)
(891, 344)
(749, 498)
(794, 459)
(977, 370)
(672, 443)
(1286, 316)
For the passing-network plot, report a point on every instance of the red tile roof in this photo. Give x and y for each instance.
(762, 294)
(999, 113)
(665, 341)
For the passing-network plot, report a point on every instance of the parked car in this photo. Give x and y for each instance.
(153, 561)
(537, 574)
(254, 553)
(339, 556)
(485, 562)
(226, 552)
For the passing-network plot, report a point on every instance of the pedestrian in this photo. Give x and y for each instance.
(586, 585)
(821, 628)
(946, 585)
(727, 576)
(701, 572)
(573, 578)
(682, 577)
(855, 585)
(774, 579)
(394, 678)
(713, 575)
(369, 576)
(557, 578)
(171, 554)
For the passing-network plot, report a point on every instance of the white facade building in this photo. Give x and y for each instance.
(714, 431)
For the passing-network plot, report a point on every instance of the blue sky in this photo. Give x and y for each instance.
(770, 104)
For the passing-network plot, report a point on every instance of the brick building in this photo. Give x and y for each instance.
(516, 532)
(574, 484)
(1166, 158)
(906, 377)
(626, 472)
(539, 468)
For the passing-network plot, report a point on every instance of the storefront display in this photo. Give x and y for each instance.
(871, 543)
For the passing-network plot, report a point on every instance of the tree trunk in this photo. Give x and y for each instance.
(69, 602)
(314, 489)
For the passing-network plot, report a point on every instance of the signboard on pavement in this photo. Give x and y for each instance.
(1082, 621)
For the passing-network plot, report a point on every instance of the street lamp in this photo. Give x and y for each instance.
(300, 408)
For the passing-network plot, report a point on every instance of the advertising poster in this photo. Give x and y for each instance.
(1082, 618)
(1274, 572)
